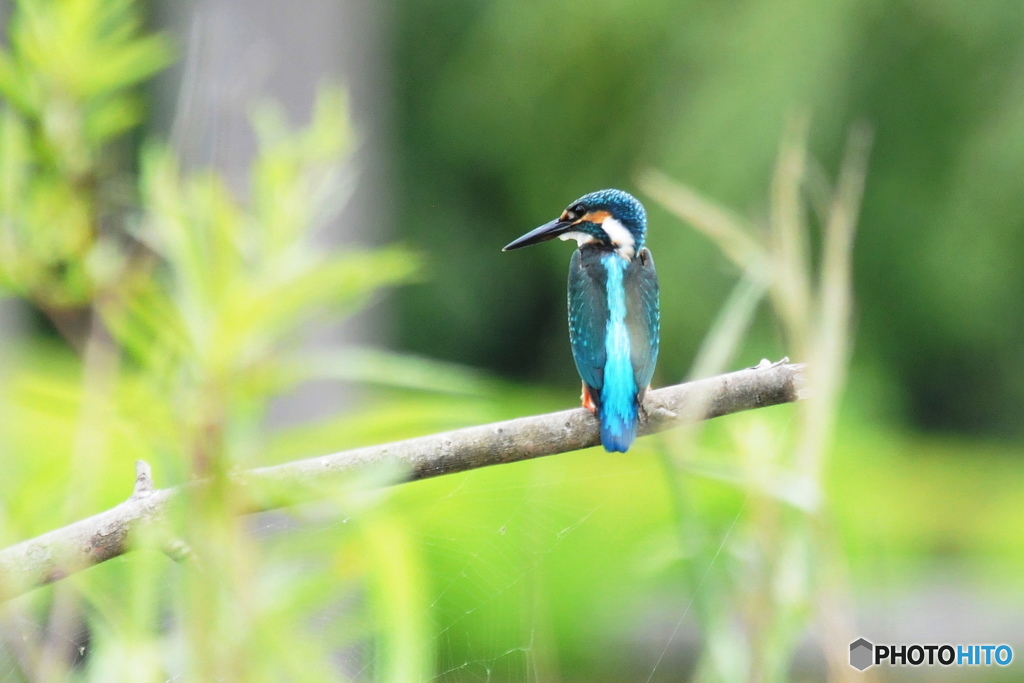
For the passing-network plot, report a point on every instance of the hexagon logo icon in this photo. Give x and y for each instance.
(860, 654)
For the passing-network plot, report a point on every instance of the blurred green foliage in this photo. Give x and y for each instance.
(66, 83)
(507, 112)
(181, 309)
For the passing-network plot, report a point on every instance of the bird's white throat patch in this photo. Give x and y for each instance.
(580, 237)
(621, 237)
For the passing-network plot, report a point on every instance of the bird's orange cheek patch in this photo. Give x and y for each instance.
(594, 217)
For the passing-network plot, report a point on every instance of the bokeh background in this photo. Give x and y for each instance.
(472, 123)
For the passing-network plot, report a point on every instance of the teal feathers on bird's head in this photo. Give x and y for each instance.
(619, 205)
(609, 218)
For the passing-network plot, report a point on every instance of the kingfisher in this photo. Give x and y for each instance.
(613, 307)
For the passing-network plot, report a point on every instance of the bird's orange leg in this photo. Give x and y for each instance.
(588, 401)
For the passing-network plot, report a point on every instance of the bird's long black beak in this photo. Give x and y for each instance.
(544, 233)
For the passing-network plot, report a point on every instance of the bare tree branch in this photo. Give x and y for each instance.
(89, 542)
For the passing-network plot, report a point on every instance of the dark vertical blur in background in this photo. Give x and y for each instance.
(241, 54)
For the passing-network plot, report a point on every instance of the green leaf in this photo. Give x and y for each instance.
(267, 308)
(111, 118)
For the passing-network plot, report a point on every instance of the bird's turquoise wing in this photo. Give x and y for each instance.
(642, 317)
(588, 317)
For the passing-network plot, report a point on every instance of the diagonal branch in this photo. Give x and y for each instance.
(88, 542)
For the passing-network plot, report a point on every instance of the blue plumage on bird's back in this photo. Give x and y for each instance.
(618, 406)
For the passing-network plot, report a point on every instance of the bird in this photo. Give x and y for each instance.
(614, 323)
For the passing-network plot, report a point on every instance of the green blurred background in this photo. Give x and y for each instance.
(476, 122)
(506, 112)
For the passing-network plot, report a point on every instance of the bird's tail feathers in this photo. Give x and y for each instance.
(618, 430)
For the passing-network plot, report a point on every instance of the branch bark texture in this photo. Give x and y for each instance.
(89, 542)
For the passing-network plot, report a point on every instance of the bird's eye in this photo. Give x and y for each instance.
(574, 213)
